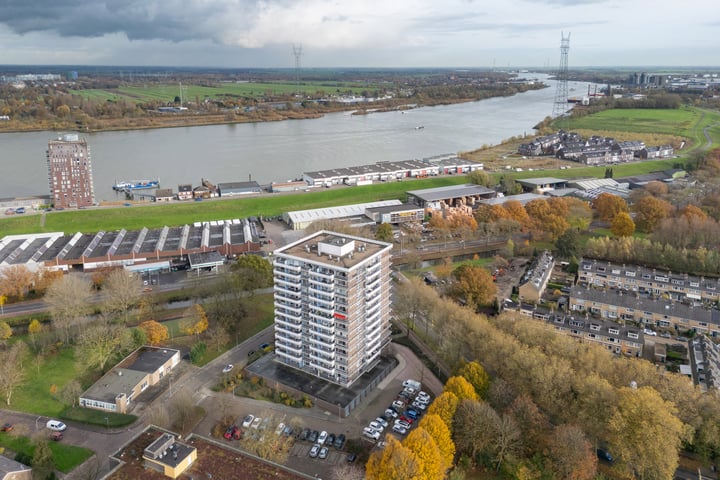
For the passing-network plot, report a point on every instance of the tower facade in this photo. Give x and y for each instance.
(332, 305)
(70, 172)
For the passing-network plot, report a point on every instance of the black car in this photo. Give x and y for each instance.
(604, 455)
(304, 434)
(330, 440)
(340, 441)
(312, 438)
(351, 458)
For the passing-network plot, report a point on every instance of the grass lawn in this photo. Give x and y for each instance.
(66, 457)
(34, 395)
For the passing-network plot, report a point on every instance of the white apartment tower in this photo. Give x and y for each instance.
(332, 305)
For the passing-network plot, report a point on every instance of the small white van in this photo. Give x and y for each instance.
(56, 425)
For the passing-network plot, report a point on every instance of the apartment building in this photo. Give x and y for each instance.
(535, 280)
(70, 172)
(614, 305)
(332, 305)
(673, 285)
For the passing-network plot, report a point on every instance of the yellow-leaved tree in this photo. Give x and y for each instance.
(461, 388)
(444, 407)
(394, 462)
(155, 332)
(439, 431)
(426, 450)
(474, 373)
(194, 321)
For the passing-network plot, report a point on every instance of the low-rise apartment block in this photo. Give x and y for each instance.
(536, 278)
(614, 305)
(633, 278)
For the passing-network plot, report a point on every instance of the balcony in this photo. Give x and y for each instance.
(322, 310)
(325, 302)
(371, 277)
(373, 308)
(323, 368)
(324, 320)
(322, 352)
(288, 330)
(325, 336)
(287, 283)
(288, 356)
(325, 277)
(294, 308)
(287, 292)
(283, 345)
(287, 266)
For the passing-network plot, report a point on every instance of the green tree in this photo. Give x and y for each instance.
(622, 225)
(645, 444)
(384, 232)
(101, 342)
(569, 244)
(43, 464)
(252, 272)
(481, 177)
(474, 285)
(476, 375)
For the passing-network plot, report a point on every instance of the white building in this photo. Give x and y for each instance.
(332, 305)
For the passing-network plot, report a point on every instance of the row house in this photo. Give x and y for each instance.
(598, 157)
(616, 306)
(680, 287)
(619, 339)
(662, 151)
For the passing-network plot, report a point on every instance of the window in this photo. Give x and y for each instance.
(629, 274)
(613, 331)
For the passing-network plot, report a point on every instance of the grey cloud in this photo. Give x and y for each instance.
(466, 23)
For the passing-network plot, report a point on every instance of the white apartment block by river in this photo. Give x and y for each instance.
(332, 305)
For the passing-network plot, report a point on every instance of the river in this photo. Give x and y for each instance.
(278, 151)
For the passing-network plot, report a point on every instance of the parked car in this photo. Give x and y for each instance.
(229, 432)
(423, 396)
(419, 405)
(377, 426)
(56, 425)
(399, 429)
(398, 404)
(314, 451)
(330, 441)
(373, 435)
(604, 455)
(391, 413)
(287, 431)
(351, 457)
(228, 368)
(403, 424)
(247, 421)
(369, 430)
(304, 434)
(340, 441)
(322, 437)
(56, 436)
(414, 414)
(7, 427)
(382, 422)
(279, 429)
(313, 436)
(649, 332)
(403, 418)
(256, 423)
(323, 453)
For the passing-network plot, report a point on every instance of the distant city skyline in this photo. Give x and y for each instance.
(367, 33)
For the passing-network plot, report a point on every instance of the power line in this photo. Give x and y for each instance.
(560, 106)
(297, 52)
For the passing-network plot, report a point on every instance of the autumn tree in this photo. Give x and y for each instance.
(412, 299)
(656, 189)
(68, 300)
(474, 285)
(384, 232)
(579, 213)
(444, 406)
(194, 321)
(548, 216)
(533, 424)
(422, 444)
(5, 331)
(569, 244)
(476, 375)
(12, 371)
(571, 455)
(121, 291)
(394, 462)
(691, 211)
(650, 211)
(516, 211)
(461, 388)
(607, 205)
(472, 426)
(155, 332)
(34, 328)
(440, 432)
(252, 272)
(481, 177)
(622, 225)
(643, 444)
(70, 393)
(15, 281)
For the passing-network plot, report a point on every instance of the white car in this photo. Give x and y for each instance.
(323, 436)
(649, 332)
(247, 421)
(399, 429)
(382, 422)
(279, 429)
(377, 426)
(419, 405)
(423, 396)
(391, 413)
(403, 424)
(56, 425)
(371, 434)
(228, 368)
(256, 423)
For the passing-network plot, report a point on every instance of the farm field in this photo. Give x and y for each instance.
(168, 92)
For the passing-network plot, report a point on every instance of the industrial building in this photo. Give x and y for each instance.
(332, 305)
(301, 219)
(238, 188)
(395, 214)
(70, 172)
(452, 195)
(137, 250)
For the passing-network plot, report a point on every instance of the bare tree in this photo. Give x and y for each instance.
(100, 342)
(70, 393)
(68, 299)
(12, 373)
(344, 471)
(122, 291)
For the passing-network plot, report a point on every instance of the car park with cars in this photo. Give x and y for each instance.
(323, 453)
(399, 429)
(403, 424)
(340, 441)
(322, 437)
(256, 423)
(314, 450)
(247, 421)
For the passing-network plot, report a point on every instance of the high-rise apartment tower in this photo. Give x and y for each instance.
(70, 172)
(332, 305)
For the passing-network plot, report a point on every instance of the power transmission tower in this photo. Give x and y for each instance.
(561, 94)
(297, 51)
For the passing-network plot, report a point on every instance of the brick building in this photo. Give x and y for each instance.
(70, 172)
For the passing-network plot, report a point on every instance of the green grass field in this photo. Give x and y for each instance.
(66, 457)
(168, 92)
(34, 395)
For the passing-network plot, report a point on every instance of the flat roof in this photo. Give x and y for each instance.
(591, 183)
(541, 181)
(115, 382)
(8, 465)
(205, 259)
(149, 359)
(372, 169)
(523, 198)
(238, 185)
(404, 207)
(342, 211)
(452, 191)
(306, 249)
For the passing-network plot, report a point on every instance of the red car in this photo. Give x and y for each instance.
(7, 427)
(233, 433)
(56, 436)
(406, 419)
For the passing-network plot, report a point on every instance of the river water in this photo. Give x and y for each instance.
(277, 151)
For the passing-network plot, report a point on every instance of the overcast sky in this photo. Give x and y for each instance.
(360, 33)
